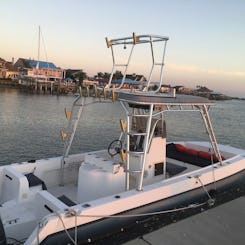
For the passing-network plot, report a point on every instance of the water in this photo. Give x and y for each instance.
(228, 119)
(30, 125)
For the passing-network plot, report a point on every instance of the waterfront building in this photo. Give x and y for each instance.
(40, 69)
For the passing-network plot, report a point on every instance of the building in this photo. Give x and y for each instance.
(183, 90)
(165, 88)
(136, 77)
(2, 68)
(39, 69)
(131, 80)
(8, 70)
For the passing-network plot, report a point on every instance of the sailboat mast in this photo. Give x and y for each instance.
(38, 55)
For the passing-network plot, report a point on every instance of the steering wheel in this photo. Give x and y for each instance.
(114, 147)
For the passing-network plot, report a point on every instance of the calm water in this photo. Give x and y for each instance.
(30, 125)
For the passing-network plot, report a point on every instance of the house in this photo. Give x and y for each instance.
(89, 82)
(2, 68)
(136, 77)
(131, 80)
(165, 88)
(2, 62)
(77, 75)
(7, 69)
(128, 83)
(183, 90)
(41, 69)
(11, 72)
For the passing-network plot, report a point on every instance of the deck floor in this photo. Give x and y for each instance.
(69, 190)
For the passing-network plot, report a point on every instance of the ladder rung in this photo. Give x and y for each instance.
(135, 152)
(137, 133)
(137, 115)
(120, 64)
(133, 171)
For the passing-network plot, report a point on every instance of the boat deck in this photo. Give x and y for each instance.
(68, 190)
(173, 168)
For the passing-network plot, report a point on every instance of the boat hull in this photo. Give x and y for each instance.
(108, 226)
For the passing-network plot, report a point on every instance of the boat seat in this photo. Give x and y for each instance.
(33, 180)
(106, 164)
(14, 186)
(173, 153)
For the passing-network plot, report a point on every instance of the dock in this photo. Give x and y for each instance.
(224, 224)
(41, 87)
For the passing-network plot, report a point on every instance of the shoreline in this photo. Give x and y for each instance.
(69, 89)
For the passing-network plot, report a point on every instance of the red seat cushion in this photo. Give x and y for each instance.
(204, 154)
(180, 147)
(191, 152)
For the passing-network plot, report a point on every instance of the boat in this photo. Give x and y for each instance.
(81, 198)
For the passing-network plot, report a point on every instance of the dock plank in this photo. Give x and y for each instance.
(224, 225)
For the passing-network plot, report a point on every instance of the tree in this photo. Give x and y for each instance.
(117, 75)
(81, 75)
(107, 75)
(100, 75)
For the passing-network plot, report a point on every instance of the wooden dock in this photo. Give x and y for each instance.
(51, 87)
(224, 225)
(41, 87)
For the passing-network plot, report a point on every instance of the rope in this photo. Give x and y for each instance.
(211, 200)
(75, 229)
(38, 230)
(212, 161)
(145, 241)
(141, 215)
(66, 231)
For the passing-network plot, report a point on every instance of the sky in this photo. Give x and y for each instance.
(206, 37)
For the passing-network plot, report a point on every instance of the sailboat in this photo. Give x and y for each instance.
(39, 72)
(81, 198)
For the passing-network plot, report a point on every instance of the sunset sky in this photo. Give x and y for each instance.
(206, 37)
